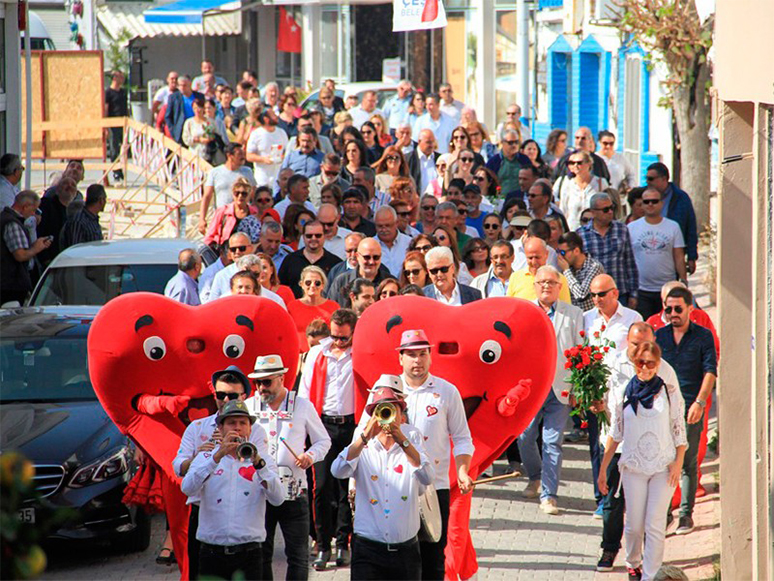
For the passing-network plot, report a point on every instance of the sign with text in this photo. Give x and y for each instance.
(391, 70)
(417, 15)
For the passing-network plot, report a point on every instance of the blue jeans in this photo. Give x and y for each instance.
(554, 414)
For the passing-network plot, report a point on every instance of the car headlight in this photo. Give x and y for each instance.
(103, 469)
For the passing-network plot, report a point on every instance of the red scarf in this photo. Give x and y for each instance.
(317, 383)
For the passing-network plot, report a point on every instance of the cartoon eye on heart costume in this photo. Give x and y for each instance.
(501, 355)
(151, 360)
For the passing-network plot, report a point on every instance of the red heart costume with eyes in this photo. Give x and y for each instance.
(151, 353)
(501, 355)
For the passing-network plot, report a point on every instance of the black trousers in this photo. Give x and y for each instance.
(374, 560)
(613, 509)
(193, 544)
(648, 303)
(214, 562)
(114, 144)
(293, 519)
(433, 558)
(332, 513)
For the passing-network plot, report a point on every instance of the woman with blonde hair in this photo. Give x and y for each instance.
(574, 193)
(382, 129)
(312, 304)
(479, 140)
(227, 218)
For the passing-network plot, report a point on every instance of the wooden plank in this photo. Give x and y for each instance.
(37, 106)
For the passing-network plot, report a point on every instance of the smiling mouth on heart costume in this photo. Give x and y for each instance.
(151, 360)
(500, 354)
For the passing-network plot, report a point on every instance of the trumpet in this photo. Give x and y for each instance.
(247, 452)
(385, 413)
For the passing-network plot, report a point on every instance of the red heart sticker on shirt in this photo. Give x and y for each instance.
(247, 472)
(431, 410)
(198, 414)
(399, 469)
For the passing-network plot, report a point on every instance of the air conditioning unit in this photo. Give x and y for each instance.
(606, 10)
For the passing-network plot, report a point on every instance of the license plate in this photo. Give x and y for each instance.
(27, 515)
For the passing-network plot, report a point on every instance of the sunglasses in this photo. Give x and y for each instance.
(511, 141)
(392, 158)
(310, 236)
(424, 248)
(221, 395)
(677, 310)
(428, 208)
(264, 382)
(533, 196)
(650, 178)
(605, 210)
(651, 202)
(341, 338)
(237, 248)
(443, 269)
(458, 137)
(479, 179)
(649, 364)
(585, 220)
(601, 294)
(331, 174)
(367, 132)
(309, 283)
(608, 143)
(327, 224)
(264, 200)
(241, 194)
(494, 226)
(371, 257)
(575, 162)
(413, 272)
(467, 159)
(480, 248)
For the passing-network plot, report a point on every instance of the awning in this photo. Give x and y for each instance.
(115, 17)
(188, 11)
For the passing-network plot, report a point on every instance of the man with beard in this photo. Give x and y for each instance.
(289, 421)
(369, 266)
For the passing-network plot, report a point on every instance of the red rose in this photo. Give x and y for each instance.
(603, 327)
(584, 425)
(566, 352)
(565, 393)
(568, 365)
(579, 366)
(596, 335)
(574, 351)
(585, 359)
(598, 356)
(606, 349)
(582, 333)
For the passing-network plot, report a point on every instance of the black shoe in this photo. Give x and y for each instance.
(670, 519)
(684, 526)
(321, 561)
(342, 558)
(606, 561)
(635, 574)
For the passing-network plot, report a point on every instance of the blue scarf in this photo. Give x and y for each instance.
(642, 392)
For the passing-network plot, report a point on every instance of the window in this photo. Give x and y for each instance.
(336, 40)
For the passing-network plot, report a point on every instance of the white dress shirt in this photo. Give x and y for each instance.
(428, 171)
(616, 329)
(360, 116)
(339, 382)
(282, 207)
(455, 300)
(435, 409)
(206, 278)
(295, 419)
(388, 488)
(232, 496)
(393, 257)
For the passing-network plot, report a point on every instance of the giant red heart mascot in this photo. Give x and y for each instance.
(151, 359)
(501, 355)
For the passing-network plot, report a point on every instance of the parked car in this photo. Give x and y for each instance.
(383, 92)
(95, 272)
(50, 413)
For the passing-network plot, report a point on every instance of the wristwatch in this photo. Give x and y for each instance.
(702, 404)
(405, 443)
(365, 440)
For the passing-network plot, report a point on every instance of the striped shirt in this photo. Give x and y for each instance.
(82, 227)
(579, 282)
(614, 251)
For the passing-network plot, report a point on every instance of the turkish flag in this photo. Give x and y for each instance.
(289, 34)
(430, 11)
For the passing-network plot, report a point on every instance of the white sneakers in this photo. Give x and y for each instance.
(548, 506)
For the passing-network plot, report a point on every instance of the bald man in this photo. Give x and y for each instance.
(329, 217)
(369, 267)
(522, 282)
(183, 287)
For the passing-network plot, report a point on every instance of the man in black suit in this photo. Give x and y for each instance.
(445, 288)
(180, 107)
(422, 161)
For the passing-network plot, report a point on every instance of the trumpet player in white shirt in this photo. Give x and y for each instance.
(233, 483)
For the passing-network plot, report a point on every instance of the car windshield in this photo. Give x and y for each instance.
(44, 369)
(96, 285)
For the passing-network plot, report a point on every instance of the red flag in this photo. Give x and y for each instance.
(289, 33)
(430, 11)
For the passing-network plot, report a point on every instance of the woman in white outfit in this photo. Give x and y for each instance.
(650, 423)
(574, 191)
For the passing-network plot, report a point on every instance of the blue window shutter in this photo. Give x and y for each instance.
(588, 87)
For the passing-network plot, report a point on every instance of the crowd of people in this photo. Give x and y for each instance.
(328, 210)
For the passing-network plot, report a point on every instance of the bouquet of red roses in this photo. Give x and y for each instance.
(588, 375)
